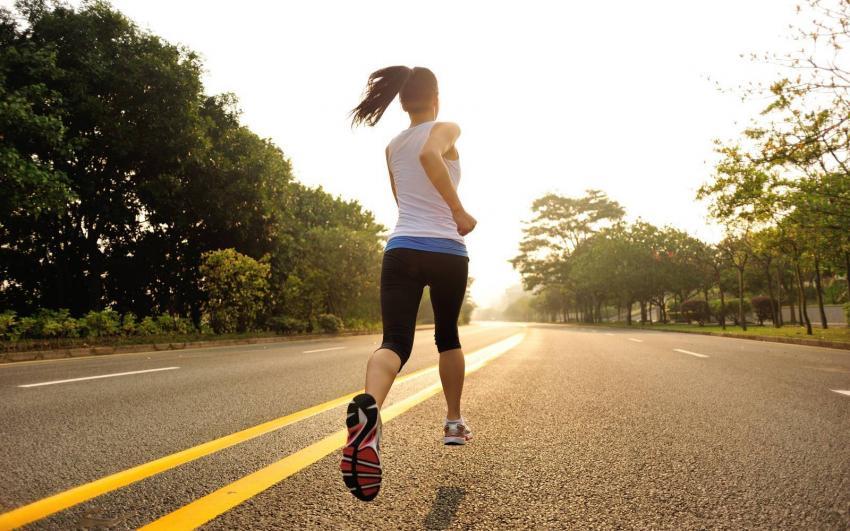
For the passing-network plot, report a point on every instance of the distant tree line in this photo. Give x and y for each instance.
(581, 262)
(782, 191)
(125, 187)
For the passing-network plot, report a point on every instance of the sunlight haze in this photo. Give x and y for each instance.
(618, 96)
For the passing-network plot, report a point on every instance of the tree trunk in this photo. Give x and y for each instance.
(774, 311)
(629, 313)
(780, 320)
(819, 290)
(847, 272)
(722, 309)
(742, 319)
(804, 313)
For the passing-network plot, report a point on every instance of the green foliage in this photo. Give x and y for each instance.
(173, 324)
(236, 287)
(329, 322)
(148, 327)
(361, 324)
(24, 328)
(695, 310)
(44, 324)
(104, 323)
(763, 308)
(847, 313)
(119, 172)
(7, 325)
(129, 326)
(286, 325)
(732, 309)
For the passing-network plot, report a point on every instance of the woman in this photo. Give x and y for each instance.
(425, 248)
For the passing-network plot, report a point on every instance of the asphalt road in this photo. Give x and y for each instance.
(574, 428)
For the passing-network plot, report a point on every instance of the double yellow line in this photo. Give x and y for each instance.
(210, 506)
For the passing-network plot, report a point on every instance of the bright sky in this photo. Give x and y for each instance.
(550, 96)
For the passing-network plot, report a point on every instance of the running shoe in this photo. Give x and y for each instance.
(361, 457)
(456, 433)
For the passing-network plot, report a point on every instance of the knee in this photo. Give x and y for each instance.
(446, 338)
(402, 348)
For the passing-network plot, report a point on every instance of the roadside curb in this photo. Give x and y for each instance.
(79, 352)
(770, 339)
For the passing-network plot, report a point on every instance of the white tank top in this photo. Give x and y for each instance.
(422, 211)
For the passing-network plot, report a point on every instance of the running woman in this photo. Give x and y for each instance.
(425, 248)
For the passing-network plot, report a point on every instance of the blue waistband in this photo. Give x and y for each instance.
(437, 245)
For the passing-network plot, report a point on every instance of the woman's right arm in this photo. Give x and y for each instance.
(442, 138)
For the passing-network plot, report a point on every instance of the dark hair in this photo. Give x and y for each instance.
(416, 86)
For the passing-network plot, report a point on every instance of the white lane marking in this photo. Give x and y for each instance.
(609, 334)
(689, 352)
(841, 392)
(98, 377)
(636, 340)
(322, 350)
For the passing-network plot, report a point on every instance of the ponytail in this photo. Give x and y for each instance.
(415, 85)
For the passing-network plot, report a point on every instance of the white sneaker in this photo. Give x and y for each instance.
(455, 433)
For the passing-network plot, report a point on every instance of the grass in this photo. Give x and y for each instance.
(839, 334)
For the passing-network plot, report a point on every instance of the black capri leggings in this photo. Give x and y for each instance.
(404, 274)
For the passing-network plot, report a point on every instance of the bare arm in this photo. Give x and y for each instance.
(392, 180)
(441, 140)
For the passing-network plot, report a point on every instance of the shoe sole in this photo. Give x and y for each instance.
(361, 466)
(456, 441)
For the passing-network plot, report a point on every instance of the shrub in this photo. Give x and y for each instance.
(732, 309)
(695, 310)
(329, 322)
(166, 324)
(355, 323)
(847, 313)
(236, 287)
(763, 308)
(7, 325)
(128, 324)
(101, 324)
(51, 329)
(286, 325)
(25, 327)
(148, 327)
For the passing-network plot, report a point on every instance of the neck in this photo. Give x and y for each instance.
(417, 118)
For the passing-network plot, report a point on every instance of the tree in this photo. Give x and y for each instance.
(236, 287)
(737, 252)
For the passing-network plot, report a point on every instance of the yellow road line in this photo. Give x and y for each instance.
(52, 504)
(220, 501)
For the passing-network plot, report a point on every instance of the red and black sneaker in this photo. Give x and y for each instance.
(361, 457)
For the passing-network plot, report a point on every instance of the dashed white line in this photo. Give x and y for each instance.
(322, 350)
(111, 375)
(609, 334)
(841, 392)
(697, 354)
(636, 340)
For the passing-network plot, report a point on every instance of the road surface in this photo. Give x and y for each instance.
(573, 427)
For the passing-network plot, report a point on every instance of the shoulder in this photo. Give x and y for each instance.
(447, 130)
(449, 127)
